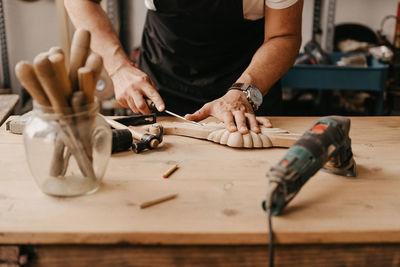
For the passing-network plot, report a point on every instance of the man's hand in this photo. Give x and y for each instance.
(132, 86)
(234, 110)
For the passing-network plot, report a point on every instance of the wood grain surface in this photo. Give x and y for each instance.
(7, 104)
(220, 193)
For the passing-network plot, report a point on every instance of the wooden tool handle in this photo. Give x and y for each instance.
(86, 83)
(29, 80)
(56, 50)
(47, 77)
(137, 133)
(120, 126)
(57, 161)
(58, 62)
(78, 100)
(83, 123)
(80, 48)
(95, 63)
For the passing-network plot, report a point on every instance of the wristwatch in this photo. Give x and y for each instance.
(253, 95)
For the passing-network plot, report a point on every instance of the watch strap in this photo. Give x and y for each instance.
(240, 86)
(244, 88)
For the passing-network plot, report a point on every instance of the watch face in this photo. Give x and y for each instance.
(256, 96)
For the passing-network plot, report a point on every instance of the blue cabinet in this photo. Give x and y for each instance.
(328, 77)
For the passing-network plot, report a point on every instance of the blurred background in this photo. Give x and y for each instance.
(349, 62)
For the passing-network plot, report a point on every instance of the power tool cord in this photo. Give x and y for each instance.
(271, 248)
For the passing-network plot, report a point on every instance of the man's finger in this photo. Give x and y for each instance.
(241, 122)
(229, 122)
(154, 96)
(131, 104)
(200, 114)
(264, 121)
(251, 119)
(123, 102)
(140, 103)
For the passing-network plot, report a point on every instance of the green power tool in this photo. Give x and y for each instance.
(325, 145)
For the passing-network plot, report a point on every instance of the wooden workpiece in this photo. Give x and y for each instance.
(217, 220)
(216, 132)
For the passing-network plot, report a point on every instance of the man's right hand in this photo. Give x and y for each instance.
(132, 86)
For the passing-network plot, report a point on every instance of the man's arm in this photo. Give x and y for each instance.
(271, 61)
(130, 84)
(281, 46)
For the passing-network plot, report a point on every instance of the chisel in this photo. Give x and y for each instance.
(152, 106)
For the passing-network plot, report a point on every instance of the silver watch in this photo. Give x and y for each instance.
(253, 95)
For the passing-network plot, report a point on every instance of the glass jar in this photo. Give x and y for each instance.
(67, 152)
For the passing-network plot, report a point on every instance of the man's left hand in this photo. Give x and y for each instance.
(234, 110)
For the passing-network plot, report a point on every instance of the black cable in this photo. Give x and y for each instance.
(4, 50)
(271, 248)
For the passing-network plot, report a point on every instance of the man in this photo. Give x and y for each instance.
(194, 52)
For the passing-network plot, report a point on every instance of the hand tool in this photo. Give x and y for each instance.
(83, 123)
(80, 48)
(48, 83)
(58, 62)
(182, 118)
(56, 50)
(30, 82)
(327, 143)
(51, 80)
(48, 79)
(87, 83)
(146, 140)
(95, 63)
(152, 106)
(122, 139)
(137, 119)
(314, 55)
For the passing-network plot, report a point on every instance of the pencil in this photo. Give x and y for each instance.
(170, 171)
(157, 201)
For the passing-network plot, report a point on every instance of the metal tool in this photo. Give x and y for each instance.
(314, 55)
(122, 140)
(182, 118)
(326, 143)
(152, 106)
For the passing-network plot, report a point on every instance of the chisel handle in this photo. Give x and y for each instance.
(47, 77)
(95, 63)
(56, 50)
(86, 83)
(80, 48)
(58, 62)
(29, 80)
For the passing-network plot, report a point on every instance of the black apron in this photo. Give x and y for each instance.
(195, 50)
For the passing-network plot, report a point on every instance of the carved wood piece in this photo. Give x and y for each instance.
(216, 132)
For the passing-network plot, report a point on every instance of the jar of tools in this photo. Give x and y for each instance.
(67, 152)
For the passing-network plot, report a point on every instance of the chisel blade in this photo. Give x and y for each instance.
(182, 118)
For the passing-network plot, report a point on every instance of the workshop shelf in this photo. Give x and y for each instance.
(328, 77)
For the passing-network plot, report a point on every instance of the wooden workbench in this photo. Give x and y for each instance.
(217, 220)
